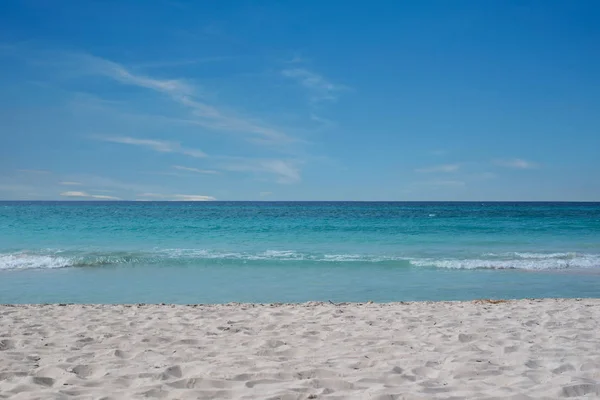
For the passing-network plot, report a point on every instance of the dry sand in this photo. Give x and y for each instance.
(446, 350)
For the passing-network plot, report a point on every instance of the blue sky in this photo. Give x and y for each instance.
(311, 100)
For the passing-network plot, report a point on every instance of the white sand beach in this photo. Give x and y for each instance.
(527, 349)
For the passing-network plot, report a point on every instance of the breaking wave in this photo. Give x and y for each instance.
(526, 261)
(63, 259)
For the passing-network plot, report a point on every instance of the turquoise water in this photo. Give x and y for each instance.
(217, 252)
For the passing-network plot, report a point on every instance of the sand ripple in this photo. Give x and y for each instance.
(529, 349)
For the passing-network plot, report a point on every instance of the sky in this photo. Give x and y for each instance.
(304, 100)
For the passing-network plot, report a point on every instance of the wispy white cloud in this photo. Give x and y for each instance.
(110, 69)
(175, 197)
(209, 116)
(446, 168)
(193, 197)
(86, 195)
(319, 88)
(185, 94)
(189, 105)
(70, 183)
(284, 171)
(516, 163)
(162, 146)
(197, 170)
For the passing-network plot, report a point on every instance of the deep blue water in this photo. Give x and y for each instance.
(214, 252)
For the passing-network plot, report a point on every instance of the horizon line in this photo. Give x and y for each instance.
(301, 201)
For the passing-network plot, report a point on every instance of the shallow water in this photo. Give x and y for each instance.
(218, 252)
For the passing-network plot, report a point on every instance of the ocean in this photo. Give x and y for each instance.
(271, 252)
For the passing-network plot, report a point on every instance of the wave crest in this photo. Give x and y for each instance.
(29, 261)
(526, 261)
(62, 259)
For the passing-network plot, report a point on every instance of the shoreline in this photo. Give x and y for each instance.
(485, 349)
(316, 303)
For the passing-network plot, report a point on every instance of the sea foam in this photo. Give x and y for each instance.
(166, 257)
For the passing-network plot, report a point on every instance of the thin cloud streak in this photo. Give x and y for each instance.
(86, 195)
(446, 168)
(110, 69)
(161, 146)
(197, 170)
(213, 118)
(516, 163)
(320, 89)
(284, 171)
(193, 197)
(175, 197)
